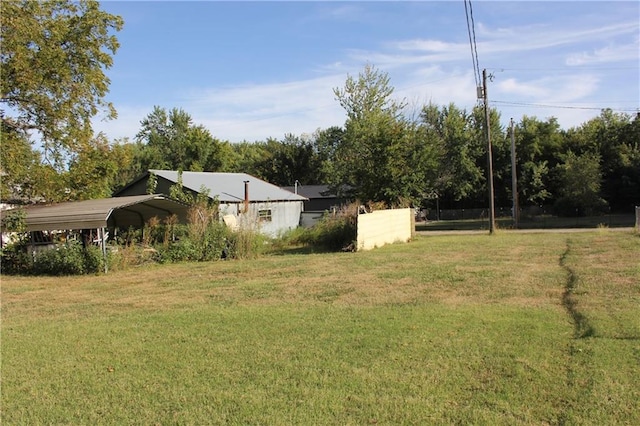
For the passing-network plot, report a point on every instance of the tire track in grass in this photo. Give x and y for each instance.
(581, 326)
(579, 385)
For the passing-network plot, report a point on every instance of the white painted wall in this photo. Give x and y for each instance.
(384, 227)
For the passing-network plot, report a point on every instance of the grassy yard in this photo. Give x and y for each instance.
(467, 329)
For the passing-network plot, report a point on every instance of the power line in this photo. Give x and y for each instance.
(524, 104)
(468, 11)
(567, 68)
(475, 45)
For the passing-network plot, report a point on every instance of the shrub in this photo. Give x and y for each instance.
(571, 207)
(94, 260)
(16, 260)
(180, 251)
(196, 244)
(64, 259)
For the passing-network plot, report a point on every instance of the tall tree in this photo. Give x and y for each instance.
(460, 171)
(170, 140)
(500, 156)
(539, 150)
(96, 170)
(373, 159)
(616, 139)
(289, 160)
(53, 58)
(581, 179)
(24, 177)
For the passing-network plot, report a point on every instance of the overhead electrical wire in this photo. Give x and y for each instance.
(468, 11)
(524, 104)
(566, 68)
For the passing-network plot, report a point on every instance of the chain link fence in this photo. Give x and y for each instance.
(529, 218)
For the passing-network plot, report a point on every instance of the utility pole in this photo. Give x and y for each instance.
(492, 214)
(514, 178)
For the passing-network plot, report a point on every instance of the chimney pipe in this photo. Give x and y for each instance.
(246, 196)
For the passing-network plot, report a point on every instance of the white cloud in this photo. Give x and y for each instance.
(555, 89)
(538, 45)
(249, 112)
(421, 70)
(428, 45)
(535, 37)
(610, 53)
(255, 112)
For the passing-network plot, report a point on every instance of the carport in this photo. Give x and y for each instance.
(102, 214)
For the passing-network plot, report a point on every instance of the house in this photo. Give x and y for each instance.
(320, 199)
(244, 199)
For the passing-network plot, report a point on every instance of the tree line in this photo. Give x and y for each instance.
(381, 153)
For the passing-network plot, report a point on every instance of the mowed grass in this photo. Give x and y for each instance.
(466, 329)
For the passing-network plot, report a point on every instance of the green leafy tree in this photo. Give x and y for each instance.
(532, 186)
(615, 137)
(326, 143)
(460, 175)
(53, 58)
(245, 157)
(170, 140)
(23, 174)
(373, 161)
(95, 170)
(291, 159)
(581, 179)
(500, 155)
(539, 147)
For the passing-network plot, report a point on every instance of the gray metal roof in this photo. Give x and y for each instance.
(121, 212)
(229, 187)
(311, 191)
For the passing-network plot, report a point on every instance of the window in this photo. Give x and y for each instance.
(264, 215)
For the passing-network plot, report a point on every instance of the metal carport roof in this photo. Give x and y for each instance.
(121, 212)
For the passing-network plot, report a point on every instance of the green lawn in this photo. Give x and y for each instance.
(477, 329)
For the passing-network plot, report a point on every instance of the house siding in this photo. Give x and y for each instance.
(285, 215)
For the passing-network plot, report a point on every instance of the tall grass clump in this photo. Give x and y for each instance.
(202, 239)
(336, 231)
(244, 243)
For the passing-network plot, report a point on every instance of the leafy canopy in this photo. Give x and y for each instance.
(54, 54)
(381, 157)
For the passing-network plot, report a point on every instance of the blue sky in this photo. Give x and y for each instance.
(254, 70)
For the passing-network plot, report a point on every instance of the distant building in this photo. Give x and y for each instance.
(319, 197)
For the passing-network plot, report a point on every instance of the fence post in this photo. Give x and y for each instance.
(638, 218)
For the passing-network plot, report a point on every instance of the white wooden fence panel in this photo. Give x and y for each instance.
(384, 227)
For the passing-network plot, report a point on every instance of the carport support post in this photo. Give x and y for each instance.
(103, 245)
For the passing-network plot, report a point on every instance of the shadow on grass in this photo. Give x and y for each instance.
(282, 251)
